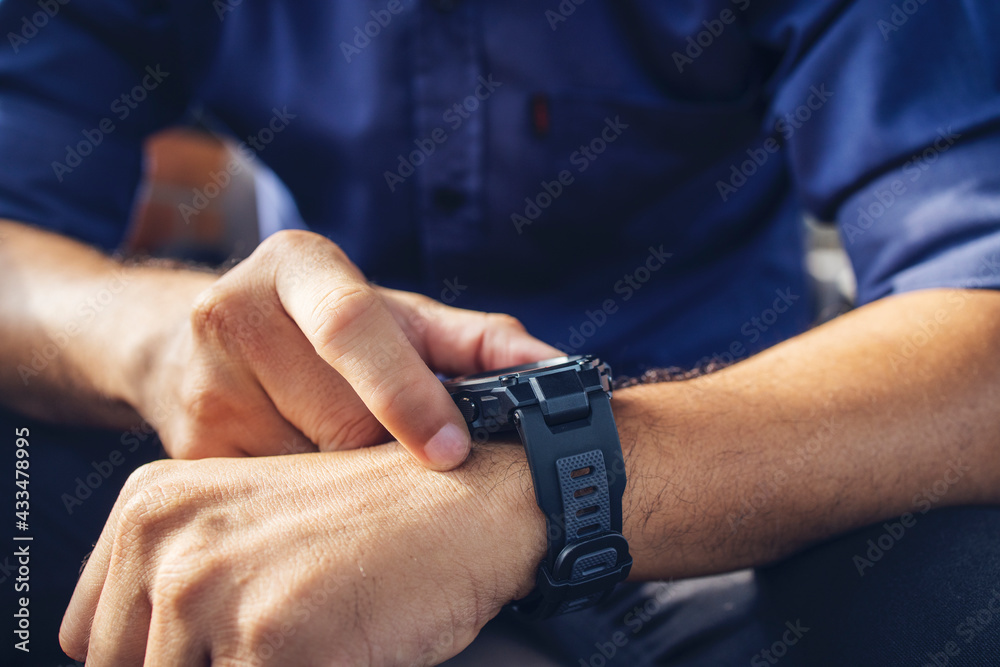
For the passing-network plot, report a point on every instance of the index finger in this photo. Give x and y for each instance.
(352, 329)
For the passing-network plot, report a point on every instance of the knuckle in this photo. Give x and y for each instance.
(151, 498)
(224, 316)
(384, 356)
(296, 256)
(212, 312)
(504, 321)
(391, 393)
(341, 309)
(144, 477)
(203, 403)
(284, 240)
(187, 577)
(281, 244)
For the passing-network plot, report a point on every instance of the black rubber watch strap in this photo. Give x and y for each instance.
(579, 477)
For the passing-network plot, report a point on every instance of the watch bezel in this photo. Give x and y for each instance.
(555, 364)
(506, 389)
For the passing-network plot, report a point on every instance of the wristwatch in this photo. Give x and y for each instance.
(561, 409)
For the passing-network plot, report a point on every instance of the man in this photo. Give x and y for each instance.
(626, 179)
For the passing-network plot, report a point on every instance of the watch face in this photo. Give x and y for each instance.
(545, 364)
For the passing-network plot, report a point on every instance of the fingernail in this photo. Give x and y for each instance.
(448, 447)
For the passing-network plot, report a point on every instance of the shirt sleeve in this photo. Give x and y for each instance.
(890, 113)
(81, 85)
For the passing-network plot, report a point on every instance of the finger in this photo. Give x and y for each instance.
(115, 553)
(265, 432)
(311, 394)
(235, 423)
(121, 622)
(351, 328)
(226, 410)
(74, 633)
(175, 641)
(456, 341)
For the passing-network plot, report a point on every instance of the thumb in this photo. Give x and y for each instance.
(456, 341)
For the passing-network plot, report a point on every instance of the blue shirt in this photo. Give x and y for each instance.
(626, 177)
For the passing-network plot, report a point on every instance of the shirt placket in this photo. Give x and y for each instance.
(449, 132)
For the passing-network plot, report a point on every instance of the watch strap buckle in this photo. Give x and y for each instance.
(584, 574)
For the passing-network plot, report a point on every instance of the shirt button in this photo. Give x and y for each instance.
(448, 199)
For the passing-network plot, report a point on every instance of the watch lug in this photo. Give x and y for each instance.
(561, 396)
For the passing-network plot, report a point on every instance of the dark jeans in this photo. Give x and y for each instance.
(926, 594)
(930, 591)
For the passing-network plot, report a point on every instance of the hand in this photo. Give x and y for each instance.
(294, 349)
(349, 558)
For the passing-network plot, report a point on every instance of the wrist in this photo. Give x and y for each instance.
(149, 322)
(691, 461)
(502, 479)
(677, 489)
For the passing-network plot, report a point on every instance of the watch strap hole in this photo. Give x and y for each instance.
(585, 497)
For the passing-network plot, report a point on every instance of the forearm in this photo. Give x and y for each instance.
(868, 417)
(77, 326)
(839, 435)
